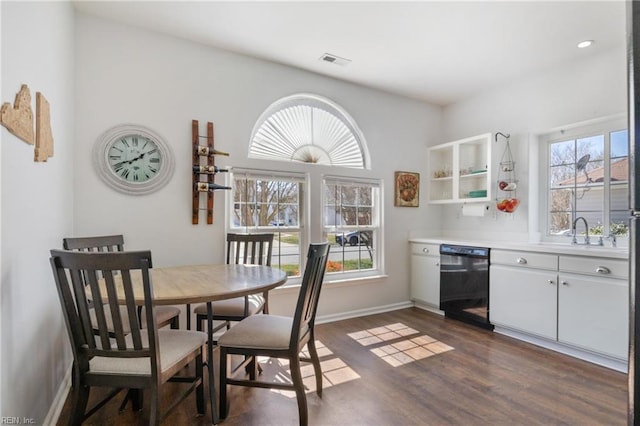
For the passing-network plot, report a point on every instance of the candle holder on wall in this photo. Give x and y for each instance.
(507, 199)
(204, 168)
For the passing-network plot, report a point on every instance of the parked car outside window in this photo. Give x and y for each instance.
(354, 238)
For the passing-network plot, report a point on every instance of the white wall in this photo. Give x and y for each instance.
(582, 90)
(37, 199)
(130, 75)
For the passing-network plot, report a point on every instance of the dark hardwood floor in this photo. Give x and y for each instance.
(416, 368)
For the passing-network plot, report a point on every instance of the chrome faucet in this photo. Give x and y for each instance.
(614, 242)
(574, 240)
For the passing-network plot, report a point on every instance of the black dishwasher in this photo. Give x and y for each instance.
(464, 283)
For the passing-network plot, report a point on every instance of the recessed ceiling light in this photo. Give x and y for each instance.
(585, 43)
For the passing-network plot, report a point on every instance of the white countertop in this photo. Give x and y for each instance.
(557, 248)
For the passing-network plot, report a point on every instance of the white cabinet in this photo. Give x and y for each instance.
(524, 299)
(425, 273)
(576, 300)
(460, 171)
(523, 292)
(594, 305)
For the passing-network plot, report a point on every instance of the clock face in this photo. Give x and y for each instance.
(133, 159)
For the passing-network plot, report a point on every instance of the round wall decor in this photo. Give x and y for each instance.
(133, 159)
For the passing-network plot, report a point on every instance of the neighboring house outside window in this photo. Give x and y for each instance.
(587, 176)
(306, 128)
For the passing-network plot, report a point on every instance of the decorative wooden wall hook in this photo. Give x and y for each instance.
(18, 119)
(44, 136)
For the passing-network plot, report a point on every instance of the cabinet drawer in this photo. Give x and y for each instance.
(425, 249)
(525, 259)
(609, 268)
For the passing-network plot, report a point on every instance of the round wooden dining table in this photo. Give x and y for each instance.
(177, 285)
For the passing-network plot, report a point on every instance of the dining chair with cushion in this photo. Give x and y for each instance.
(123, 355)
(247, 249)
(165, 315)
(278, 337)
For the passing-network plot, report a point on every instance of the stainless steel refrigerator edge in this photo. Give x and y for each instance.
(633, 78)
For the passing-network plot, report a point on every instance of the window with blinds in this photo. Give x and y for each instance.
(309, 129)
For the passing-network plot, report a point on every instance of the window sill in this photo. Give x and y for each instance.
(333, 282)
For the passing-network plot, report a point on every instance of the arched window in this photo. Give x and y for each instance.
(309, 128)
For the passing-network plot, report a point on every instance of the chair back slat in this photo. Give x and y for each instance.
(111, 272)
(249, 249)
(105, 243)
(132, 312)
(306, 307)
(65, 285)
(79, 289)
(117, 331)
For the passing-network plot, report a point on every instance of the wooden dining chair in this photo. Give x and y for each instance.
(279, 337)
(121, 354)
(247, 249)
(165, 315)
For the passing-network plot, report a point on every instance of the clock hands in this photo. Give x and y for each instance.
(139, 157)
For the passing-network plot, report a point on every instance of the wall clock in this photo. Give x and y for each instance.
(133, 159)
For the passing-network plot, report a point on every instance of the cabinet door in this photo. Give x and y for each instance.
(523, 299)
(594, 313)
(425, 279)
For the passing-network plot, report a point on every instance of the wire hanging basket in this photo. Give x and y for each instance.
(507, 200)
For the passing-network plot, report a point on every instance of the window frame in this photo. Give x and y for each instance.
(303, 217)
(375, 227)
(603, 126)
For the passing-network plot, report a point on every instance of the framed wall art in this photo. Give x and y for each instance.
(407, 189)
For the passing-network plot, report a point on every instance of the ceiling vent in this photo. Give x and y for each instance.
(328, 57)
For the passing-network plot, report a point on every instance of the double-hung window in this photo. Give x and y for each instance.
(587, 176)
(351, 220)
(271, 202)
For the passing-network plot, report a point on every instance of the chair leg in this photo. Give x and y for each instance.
(80, 399)
(224, 367)
(252, 367)
(296, 377)
(188, 313)
(175, 323)
(154, 406)
(315, 360)
(200, 389)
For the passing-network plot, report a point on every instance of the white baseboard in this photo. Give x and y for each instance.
(58, 402)
(428, 308)
(602, 360)
(363, 312)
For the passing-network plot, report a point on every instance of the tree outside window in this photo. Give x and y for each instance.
(588, 177)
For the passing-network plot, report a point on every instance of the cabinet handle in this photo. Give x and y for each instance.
(425, 250)
(564, 283)
(551, 282)
(521, 260)
(437, 263)
(603, 270)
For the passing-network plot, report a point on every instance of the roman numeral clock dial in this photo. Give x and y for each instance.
(133, 159)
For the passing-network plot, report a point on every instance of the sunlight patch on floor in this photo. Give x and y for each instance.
(334, 371)
(382, 334)
(399, 352)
